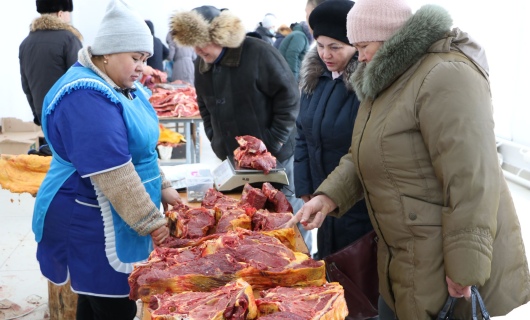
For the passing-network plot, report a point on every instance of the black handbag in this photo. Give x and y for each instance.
(447, 310)
(355, 268)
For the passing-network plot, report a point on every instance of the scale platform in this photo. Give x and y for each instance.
(228, 176)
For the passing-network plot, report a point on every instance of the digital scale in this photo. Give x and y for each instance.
(228, 176)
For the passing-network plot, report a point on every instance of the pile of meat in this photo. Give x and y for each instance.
(223, 254)
(236, 300)
(175, 101)
(252, 153)
(260, 259)
(258, 209)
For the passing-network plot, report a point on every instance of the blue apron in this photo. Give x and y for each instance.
(123, 246)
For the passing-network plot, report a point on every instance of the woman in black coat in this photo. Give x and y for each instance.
(328, 108)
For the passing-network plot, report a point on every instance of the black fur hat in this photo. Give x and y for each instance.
(329, 19)
(52, 6)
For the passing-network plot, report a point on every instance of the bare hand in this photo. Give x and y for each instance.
(456, 290)
(148, 70)
(159, 235)
(312, 213)
(171, 197)
(306, 198)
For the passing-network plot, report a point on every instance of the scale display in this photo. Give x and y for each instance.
(227, 177)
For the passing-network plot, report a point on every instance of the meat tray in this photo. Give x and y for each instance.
(238, 169)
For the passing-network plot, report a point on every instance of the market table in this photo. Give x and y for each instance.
(191, 134)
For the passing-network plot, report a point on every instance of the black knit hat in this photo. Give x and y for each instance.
(329, 19)
(52, 6)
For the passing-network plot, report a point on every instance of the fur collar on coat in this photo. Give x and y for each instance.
(313, 67)
(408, 45)
(50, 22)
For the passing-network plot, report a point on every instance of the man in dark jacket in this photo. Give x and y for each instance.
(244, 86)
(160, 51)
(48, 51)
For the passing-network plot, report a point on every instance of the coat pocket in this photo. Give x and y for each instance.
(421, 213)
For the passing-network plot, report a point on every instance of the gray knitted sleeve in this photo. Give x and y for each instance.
(128, 196)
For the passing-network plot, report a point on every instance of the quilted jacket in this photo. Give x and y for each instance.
(424, 157)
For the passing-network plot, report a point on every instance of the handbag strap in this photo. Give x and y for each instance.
(447, 311)
(475, 296)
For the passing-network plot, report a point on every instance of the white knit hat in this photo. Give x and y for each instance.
(122, 30)
(376, 20)
(269, 21)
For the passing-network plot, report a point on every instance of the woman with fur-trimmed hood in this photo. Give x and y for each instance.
(424, 158)
(328, 108)
(244, 86)
(48, 51)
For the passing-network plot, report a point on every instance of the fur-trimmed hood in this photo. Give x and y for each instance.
(313, 67)
(191, 29)
(50, 22)
(428, 25)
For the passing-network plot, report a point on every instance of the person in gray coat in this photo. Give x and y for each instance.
(244, 87)
(182, 59)
(48, 51)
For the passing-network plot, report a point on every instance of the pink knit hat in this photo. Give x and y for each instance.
(376, 20)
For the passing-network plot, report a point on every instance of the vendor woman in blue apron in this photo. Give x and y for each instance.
(97, 211)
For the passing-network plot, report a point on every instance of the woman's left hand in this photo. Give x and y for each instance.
(456, 290)
(171, 197)
(159, 235)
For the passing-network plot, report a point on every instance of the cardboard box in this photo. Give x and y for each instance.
(18, 137)
(17, 125)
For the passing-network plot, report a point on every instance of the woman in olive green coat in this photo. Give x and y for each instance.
(424, 157)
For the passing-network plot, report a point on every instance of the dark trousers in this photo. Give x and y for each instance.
(102, 308)
(385, 313)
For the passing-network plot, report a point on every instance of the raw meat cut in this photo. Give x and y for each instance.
(277, 201)
(234, 301)
(253, 197)
(253, 154)
(174, 101)
(324, 302)
(214, 198)
(266, 220)
(286, 236)
(231, 219)
(261, 260)
(251, 144)
(220, 213)
(190, 223)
